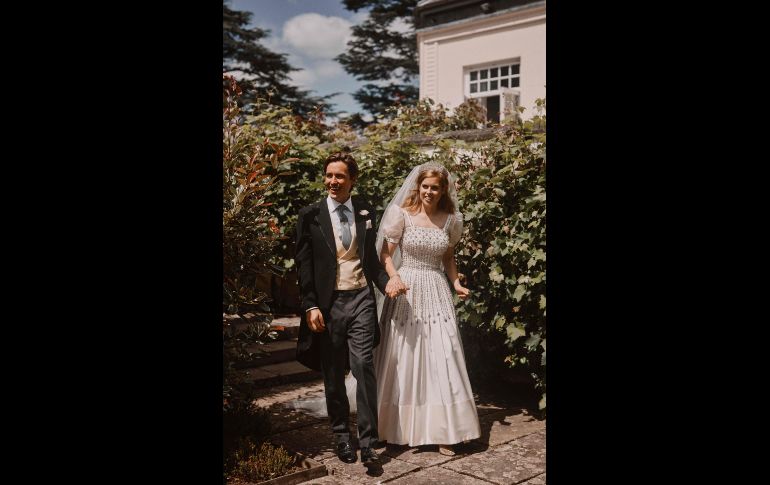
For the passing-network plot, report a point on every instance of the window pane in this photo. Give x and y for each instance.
(504, 83)
(483, 86)
(504, 71)
(473, 87)
(515, 69)
(514, 82)
(493, 73)
(493, 85)
(474, 75)
(483, 74)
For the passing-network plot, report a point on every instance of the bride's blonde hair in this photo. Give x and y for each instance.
(412, 202)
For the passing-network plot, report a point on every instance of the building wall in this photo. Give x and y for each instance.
(446, 50)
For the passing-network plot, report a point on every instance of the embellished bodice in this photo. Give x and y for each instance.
(424, 247)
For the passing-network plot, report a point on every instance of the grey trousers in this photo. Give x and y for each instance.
(349, 337)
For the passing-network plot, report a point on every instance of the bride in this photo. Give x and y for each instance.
(424, 395)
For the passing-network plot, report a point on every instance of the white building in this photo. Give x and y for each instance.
(493, 51)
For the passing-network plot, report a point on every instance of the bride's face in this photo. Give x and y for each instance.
(430, 191)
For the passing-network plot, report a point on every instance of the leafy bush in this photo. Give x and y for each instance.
(249, 231)
(294, 142)
(249, 234)
(427, 118)
(503, 249)
(501, 187)
(259, 462)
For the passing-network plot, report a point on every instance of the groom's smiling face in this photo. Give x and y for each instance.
(337, 181)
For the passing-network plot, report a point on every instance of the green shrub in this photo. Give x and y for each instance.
(259, 462)
(249, 230)
(501, 187)
(249, 233)
(503, 250)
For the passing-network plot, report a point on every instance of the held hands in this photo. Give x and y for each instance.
(462, 292)
(315, 320)
(395, 287)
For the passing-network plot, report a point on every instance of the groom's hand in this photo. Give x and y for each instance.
(395, 287)
(315, 320)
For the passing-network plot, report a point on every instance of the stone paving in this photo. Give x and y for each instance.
(511, 449)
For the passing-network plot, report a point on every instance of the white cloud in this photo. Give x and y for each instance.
(274, 44)
(401, 26)
(317, 36)
(329, 69)
(305, 78)
(359, 17)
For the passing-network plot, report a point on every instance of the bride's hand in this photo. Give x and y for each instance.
(462, 292)
(395, 287)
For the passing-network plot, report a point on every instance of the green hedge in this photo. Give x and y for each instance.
(501, 188)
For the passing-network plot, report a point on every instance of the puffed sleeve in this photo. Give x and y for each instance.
(393, 224)
(455, 229)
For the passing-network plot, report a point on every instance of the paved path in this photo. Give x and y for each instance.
(511, 449)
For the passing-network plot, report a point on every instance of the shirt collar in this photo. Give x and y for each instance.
(333, 204)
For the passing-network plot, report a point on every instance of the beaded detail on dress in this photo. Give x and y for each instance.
(429, 299)
(423, 247)
(424, 394)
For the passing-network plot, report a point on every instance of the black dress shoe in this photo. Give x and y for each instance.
(369, 457)
(345, 452)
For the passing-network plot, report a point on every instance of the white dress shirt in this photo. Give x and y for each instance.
(335, 215)
(333, 204)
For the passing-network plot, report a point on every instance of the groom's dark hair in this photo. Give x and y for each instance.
(345, 158)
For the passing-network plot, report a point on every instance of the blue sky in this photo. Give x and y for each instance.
(312, 33)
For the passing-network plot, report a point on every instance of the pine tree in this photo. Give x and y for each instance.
(263, 72)
(377, 53)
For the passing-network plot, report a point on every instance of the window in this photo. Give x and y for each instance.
(486, 81)
(490, 87)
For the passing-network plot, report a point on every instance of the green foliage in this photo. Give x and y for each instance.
(426, 118)
(501, 188)
(293, 141)
(249, 232)
(260, 462)
(249, 235)
(503, 250)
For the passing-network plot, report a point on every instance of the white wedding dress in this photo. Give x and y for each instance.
(423, 392)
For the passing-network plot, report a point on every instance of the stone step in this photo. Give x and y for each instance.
(286, 326)
(276, 374)
(277, 351)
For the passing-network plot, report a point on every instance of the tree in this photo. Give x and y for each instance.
(263, 73)
(379, 53)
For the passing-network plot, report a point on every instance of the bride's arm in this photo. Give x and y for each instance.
(450, 267)
(395, 286)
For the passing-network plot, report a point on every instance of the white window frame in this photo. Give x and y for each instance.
(490, 65)
(499, 91)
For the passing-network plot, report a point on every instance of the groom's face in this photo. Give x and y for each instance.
(337, 181)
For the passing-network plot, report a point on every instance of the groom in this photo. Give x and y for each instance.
(337, 267)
